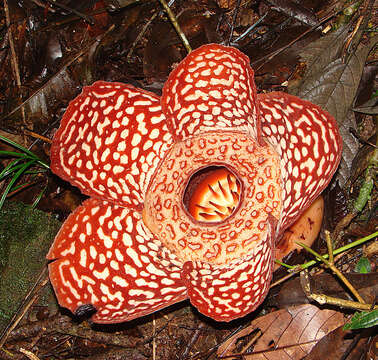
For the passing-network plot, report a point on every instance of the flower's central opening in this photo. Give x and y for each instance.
(212, 194)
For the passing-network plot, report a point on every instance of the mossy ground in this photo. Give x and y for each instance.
(25, 237)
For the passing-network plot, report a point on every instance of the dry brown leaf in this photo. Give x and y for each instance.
(286, 334)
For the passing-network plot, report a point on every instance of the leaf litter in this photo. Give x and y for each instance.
(57, 52)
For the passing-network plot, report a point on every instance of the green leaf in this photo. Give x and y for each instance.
(361, 320)
(363, 266)
(25, 155)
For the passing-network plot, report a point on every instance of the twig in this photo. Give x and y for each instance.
(175, 24)
(298, 268)
(14, 60)
(153, 337)
(362, 22)
(336, 271)
(277, 52)
(29, 354)
(236, 11)
(38, 136)
(284, 278)
(65, 66)
(329, 246)
(85, 17)
(21, 188)
(352, 35)
(338, 251)
(251, 342)
(325, 299)
(140, 35)
(245, 33)
(43, 5)
(192, 341)
(145, 27)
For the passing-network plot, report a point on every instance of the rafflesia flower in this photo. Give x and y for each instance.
(188, 191)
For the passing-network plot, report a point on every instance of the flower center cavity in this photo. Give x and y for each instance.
(212, 194)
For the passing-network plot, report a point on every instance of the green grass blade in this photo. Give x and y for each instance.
(26, 153)
(39, 197)
(7, 170)
(14, 169)
(18, 146)
(15, 188)
(43, 164)
(13, 154)
(13, 180)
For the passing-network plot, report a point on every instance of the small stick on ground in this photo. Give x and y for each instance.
(38, 136)
(14, 60)
(153, 337)
(140, 35)
(329, 247)
(85, 17)
(236, 11)
(325, 299)
(29, 354)
(279, 51)
(298, 268)
(72, 60)
(251, 342)
(175, 24)
(336, 271)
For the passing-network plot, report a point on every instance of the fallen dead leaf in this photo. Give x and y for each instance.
(332, 345)
(337, 345)
(286, 334)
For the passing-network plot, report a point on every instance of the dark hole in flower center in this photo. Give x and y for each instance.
(212, 194)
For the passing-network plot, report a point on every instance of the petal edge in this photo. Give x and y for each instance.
(212, 88)
(310, 146)
(110, 141)
(230, 291)
(104, 256)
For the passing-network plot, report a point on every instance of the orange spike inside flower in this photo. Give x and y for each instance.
(215, 197)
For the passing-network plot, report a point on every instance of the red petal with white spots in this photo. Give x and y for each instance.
(105, 256)
(212, 88)
(230, 291)
(110, 141)
(309, 144)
